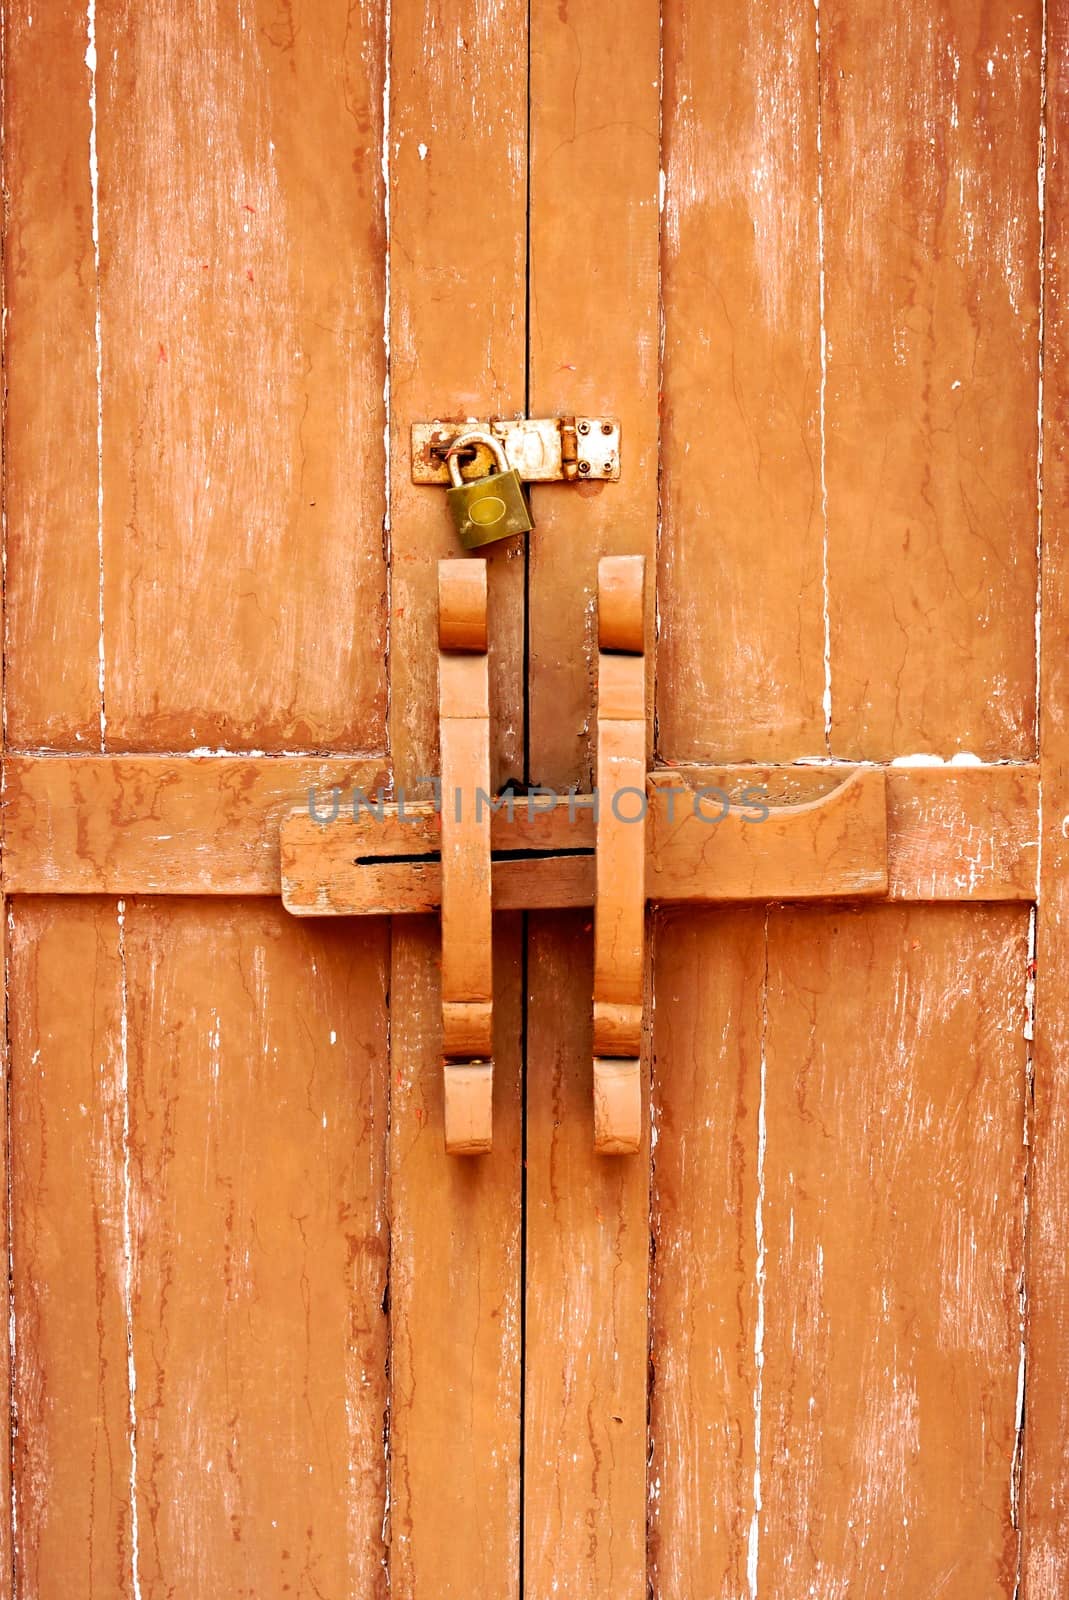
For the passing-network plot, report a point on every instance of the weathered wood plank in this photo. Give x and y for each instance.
(1045, 1485)
(454, 1297)
(709, 973)
(211, 825)
(741, 674)
(930, 133)
(257, 1066)
(242, 237)
(942, 834)
(593, 340)
(161, 824)
(51, 353)
(74, 1452)
(457, 159)
(587, 1260)
(836, 844)
(890, 1232)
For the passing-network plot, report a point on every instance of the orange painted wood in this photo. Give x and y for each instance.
(741, 643)
(930, 133)
(467, 958)
(163, 824)
(709, 972)
(617, 1103)
(843, 1315)
(892, 1205)
(465, 863)
(50, 365)
(457, 337)
(1045, 1475)
(73, 1454)
(257, 1068)
(200, 1248)
(587, 1259)
(241, 236)
(835, 843)
(620, 854)
(952, 834)
(454, 1296)
(593, 340)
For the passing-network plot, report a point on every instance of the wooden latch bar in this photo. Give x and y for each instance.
(467, 974)
(620, 856)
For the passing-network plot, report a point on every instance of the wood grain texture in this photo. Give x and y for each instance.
(740, 652)
(587, 1260)
(593, 346)
(593, 339)
(838, 1213)
(74, 1463)
(892, 1207)
(930, 134)
(454, 1298)
(835, 844)
(242, 289)
(162, 824)
(951, 834)
(457, 342)
(257, 1070)
(1045, 1483)
(457, 159)
(50, 369)
(709, 974)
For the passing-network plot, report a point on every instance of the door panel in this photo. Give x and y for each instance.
(838, 1217)
(930, 128)
(199, 1249)
(266, 1336)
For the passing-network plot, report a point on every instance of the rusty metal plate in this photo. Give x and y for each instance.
(542, 449)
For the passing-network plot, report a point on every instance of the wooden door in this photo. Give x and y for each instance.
(266, 1338)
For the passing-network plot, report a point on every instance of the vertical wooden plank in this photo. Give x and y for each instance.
(593, 338)
(890, 1225)
(457, 347)
(50, 371)
(1045, 1489)
(741, 649)
(241, 229)
(456, 156)
(69, 1186)
(709, 983)
(587, 1261)
(593, 343)
(257, 1069)
(930, 122)
(454, 1298)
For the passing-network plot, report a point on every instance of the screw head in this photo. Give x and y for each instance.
(584, 427)
(606, 427)
(584, 466)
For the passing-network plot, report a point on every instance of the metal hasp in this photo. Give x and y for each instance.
(540, 449)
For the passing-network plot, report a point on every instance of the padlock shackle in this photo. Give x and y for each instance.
(463, 442)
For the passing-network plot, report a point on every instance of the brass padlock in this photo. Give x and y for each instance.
(485, 509)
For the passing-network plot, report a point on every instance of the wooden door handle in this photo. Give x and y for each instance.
(467, 990)
(620, 855)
